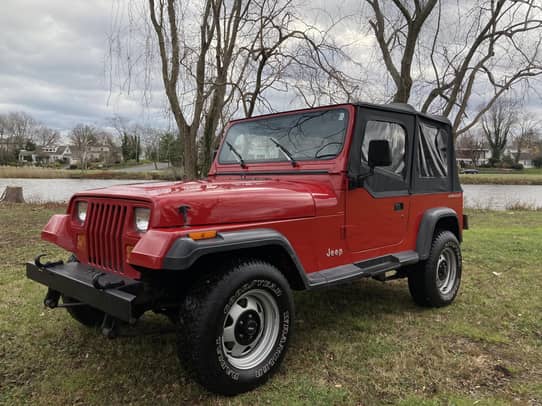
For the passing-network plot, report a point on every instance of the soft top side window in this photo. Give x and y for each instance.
(432, 152)
(395, 134)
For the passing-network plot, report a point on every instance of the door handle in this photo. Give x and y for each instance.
(398, 206)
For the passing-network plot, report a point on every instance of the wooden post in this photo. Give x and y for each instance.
(12, 194)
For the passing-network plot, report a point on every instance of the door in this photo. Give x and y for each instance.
(377, 208)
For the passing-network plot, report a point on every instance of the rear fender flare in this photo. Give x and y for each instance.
(427, 228)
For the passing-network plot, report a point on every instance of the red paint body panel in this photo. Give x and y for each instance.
(311, 206)
(58, 231)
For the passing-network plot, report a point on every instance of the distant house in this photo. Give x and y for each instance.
(101, 153)
(525, 158)
(472, 156)
(47, 155)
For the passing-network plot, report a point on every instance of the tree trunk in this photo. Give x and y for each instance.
(13, 194)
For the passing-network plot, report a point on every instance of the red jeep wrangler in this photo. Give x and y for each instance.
(296, 200)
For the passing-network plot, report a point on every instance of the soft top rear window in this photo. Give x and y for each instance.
(310, 135)
(432, 152)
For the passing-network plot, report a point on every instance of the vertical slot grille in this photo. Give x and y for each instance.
(104, 235)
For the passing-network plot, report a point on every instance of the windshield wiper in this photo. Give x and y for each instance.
(286, 153)
(237, 155)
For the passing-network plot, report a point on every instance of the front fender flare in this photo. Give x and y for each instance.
(185, 251)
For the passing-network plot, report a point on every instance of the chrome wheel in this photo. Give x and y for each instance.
(446, 270)
(251, 328)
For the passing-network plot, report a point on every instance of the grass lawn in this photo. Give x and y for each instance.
(515, 178)
(364, 343)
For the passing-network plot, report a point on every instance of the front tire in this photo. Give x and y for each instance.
(234, 327)
(84, 314)
(435, 282)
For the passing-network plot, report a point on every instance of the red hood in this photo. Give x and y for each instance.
(213, 202)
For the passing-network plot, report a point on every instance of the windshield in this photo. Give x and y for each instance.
(311, 135)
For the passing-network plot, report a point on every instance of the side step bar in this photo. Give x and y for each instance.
(370, 268)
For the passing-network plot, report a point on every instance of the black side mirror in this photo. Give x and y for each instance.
(379, 153)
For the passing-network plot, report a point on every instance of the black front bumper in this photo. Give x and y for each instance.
(120, 297)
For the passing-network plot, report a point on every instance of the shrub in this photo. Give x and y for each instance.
(493, 162)
(537, 162)
(517, 166)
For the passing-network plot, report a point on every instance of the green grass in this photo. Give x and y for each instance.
(529, 176)
(362, 343)
(517, 178)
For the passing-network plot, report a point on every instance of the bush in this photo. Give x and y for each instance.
(493, 162)
(537, 162)
(517, 166)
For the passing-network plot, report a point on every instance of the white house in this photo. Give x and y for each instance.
(47, 155)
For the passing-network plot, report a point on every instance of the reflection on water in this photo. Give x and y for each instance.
(496, 197)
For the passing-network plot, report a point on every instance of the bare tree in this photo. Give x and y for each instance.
(527, 132)
(151, 142)
(221, 58)
(472, 144)
(46, 137)
(83, 137)
(17, 131)
(21, 127)
(497, 126)
(440, 54)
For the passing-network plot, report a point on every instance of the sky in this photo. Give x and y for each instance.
(54, 61)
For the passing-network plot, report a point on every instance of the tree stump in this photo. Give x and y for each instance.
(12, 194)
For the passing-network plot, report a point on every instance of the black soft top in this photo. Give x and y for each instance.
(405, 108)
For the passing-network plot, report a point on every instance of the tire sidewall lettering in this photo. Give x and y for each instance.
(261, 370)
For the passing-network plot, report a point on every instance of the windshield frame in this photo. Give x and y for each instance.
(346, 108)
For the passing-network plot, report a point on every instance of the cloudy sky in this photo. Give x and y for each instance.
(54, 63)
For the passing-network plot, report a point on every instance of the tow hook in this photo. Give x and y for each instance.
(51, 298)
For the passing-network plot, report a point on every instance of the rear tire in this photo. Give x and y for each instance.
(435, 281)
(234, 327)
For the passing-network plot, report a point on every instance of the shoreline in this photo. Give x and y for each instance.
(8, 172)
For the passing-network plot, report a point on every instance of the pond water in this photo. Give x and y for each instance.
(58, 190)
(496, 197)
(502, 197)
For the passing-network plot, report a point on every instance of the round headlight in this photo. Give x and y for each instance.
(142, 219)
(81, 211)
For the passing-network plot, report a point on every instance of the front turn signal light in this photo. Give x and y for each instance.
(202, 235)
